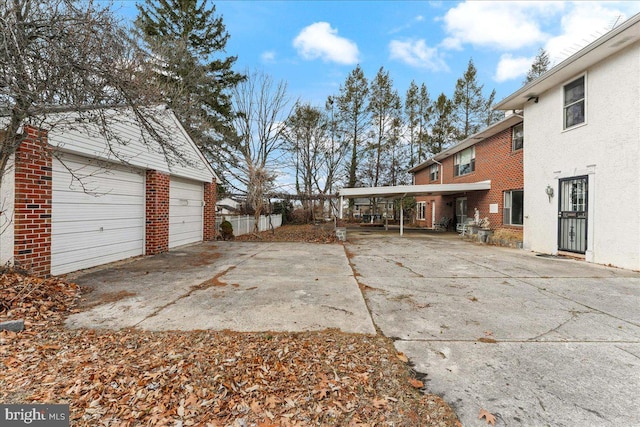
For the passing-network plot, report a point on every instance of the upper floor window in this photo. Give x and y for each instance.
(518, 137)
(433, 172)
(421, 208)
(574, 95)
(464, 162)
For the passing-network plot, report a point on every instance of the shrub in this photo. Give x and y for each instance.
(227, 230)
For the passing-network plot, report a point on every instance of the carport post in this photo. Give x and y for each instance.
(401, 216)
(341, 204)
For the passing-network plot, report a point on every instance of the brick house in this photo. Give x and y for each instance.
(74, 198)
(495, 154)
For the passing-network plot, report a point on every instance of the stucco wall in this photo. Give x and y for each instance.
(606, 148)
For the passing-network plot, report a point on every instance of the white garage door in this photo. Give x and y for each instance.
(186, 199)
(97, 220)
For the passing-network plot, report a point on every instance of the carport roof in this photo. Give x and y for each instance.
(414, 190)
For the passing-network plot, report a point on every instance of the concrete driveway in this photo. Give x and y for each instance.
(533, 340)
(227, 285)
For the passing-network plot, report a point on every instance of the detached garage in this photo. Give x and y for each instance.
(83, 199)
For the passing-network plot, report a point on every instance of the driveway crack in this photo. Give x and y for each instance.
(214, 281)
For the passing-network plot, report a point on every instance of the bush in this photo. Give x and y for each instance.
(226, 229)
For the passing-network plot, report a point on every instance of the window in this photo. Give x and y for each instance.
(574, 103)
(513, 207)
(518, 137)
(421, 208)
(465, 162)
(433, 172)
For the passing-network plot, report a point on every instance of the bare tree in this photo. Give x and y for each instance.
(261, 108)
(63, 55)
(305, 135)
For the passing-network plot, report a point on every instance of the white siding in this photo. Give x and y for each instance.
(98, 219)
(186, 200)
(129, 143)
(606, 148)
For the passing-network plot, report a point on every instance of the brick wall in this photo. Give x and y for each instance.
(209, 221)
(33, 191)
(157, 212)
(495, 161)
(33, 200)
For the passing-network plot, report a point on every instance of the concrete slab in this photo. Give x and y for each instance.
(533, 384)
(228, 285)
(561, 337)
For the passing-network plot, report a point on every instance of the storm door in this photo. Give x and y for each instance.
(461, 210)
(572, 214)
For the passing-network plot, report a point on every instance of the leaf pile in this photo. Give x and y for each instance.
(34, 299)
(309, 233)
(204, 378)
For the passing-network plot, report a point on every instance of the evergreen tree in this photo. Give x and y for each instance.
(186, 43)
(411, 109)
(490, 115)
(385, 109)
(469, 104)
(539, 66)
(425, 112)
(444, 130)
(417, 115)
(353, 115)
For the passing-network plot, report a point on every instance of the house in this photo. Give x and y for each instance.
(363, 209)
(228, 206)
(582, 131)
(76, 196)
(494, 154)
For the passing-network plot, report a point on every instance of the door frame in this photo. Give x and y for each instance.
(564, 215)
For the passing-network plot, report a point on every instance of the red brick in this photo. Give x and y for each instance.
(495, 161)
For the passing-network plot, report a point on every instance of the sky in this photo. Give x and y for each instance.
(314, 45)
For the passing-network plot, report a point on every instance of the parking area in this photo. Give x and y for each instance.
(534, 340)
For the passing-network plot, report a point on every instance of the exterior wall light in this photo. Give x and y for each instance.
(549, 191)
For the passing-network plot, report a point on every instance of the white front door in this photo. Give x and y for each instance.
(433, 214)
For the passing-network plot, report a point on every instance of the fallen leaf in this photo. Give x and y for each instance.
(402, 357)
(488, 416)
(487, 340)
(416, 383)
(379, 403)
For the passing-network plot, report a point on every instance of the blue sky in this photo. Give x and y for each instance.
(313, 45)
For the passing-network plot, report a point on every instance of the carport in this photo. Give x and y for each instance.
(402, 191)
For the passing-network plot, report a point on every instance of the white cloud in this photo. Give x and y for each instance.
(417, 54)
(319, 40)
(268, 57)
(510, 68)
(584, 23)
(416, 20)
(500, 25)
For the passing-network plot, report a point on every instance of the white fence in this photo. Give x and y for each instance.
(244, 224)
